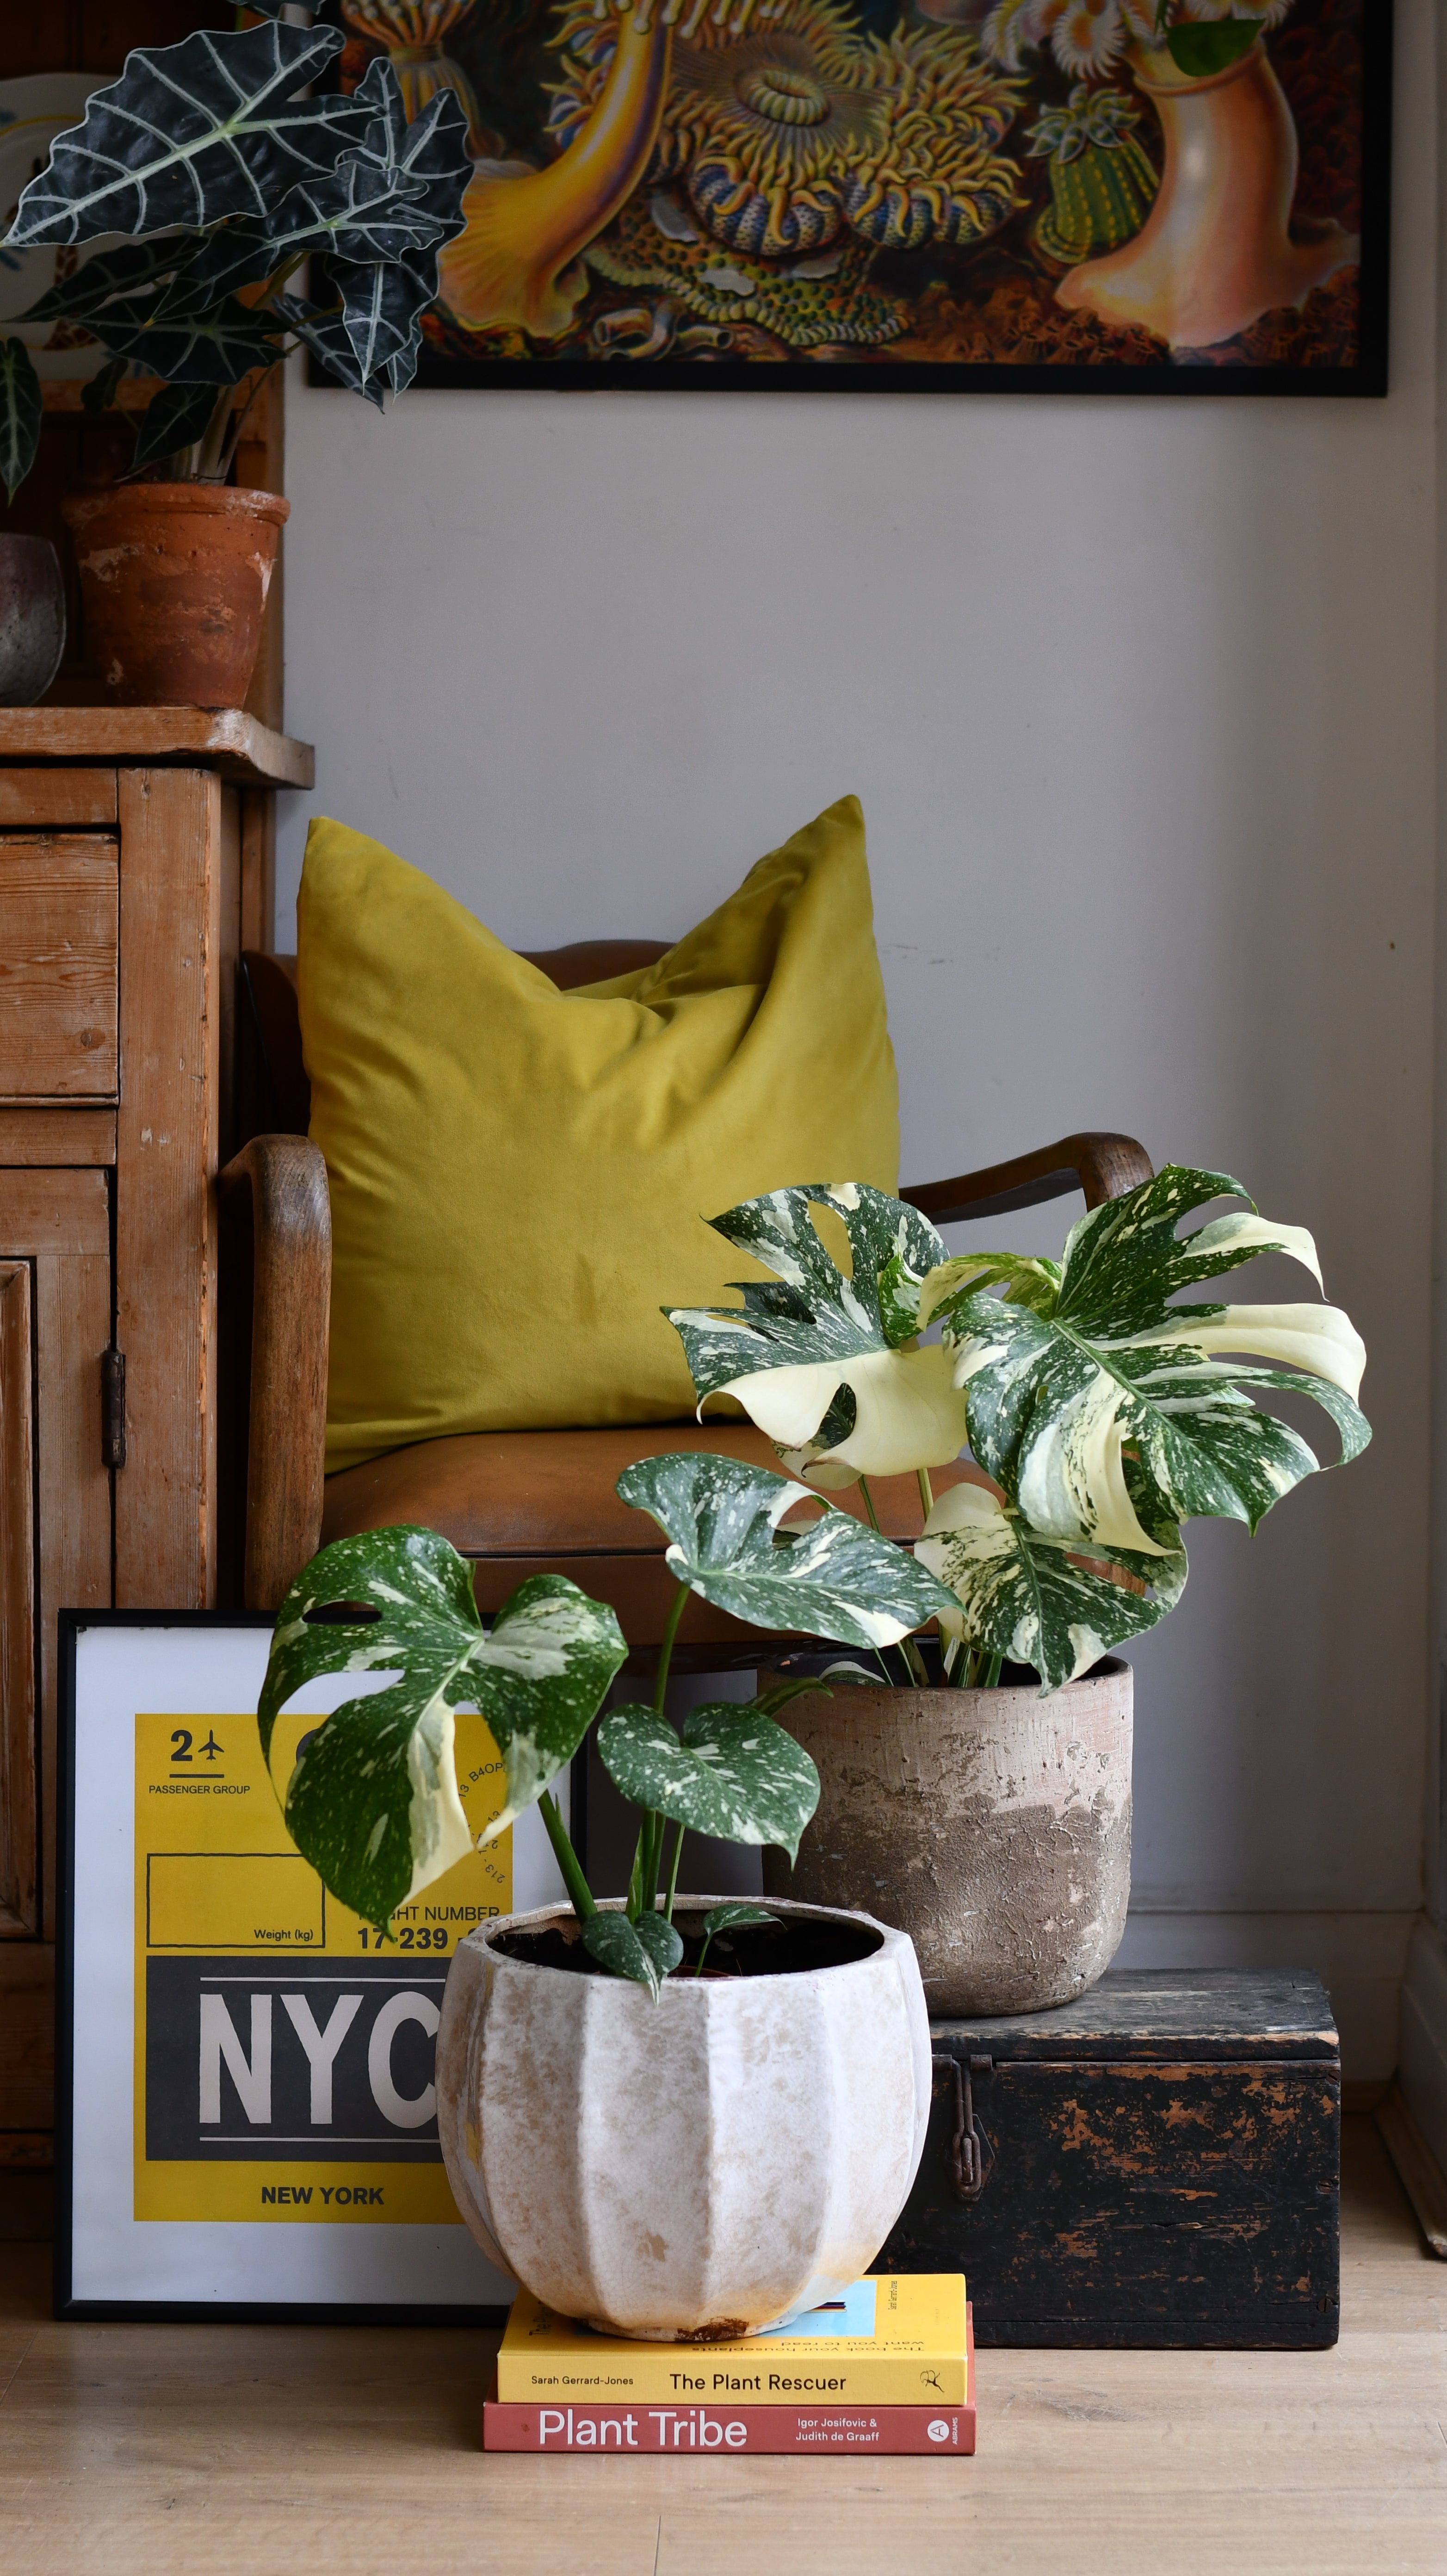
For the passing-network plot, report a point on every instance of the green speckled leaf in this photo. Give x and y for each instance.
(1029, 1599)
(1101, 1408)
(735, 1774)
(817, 1359)
(832, 1578)
(644, 1951)
(373, 1801)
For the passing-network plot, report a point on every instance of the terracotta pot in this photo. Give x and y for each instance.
(1214, 253)
(32, 619)
(993, 1826)
(174, 578)
(707, 2165)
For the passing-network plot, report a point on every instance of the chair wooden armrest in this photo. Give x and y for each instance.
(1103, 1166)
(282, 1182)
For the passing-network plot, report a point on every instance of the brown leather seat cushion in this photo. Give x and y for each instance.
(531, 1502)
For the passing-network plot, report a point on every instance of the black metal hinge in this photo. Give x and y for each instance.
(970, 2154)
(113, 1407)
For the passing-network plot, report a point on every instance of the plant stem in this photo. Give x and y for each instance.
(567, 1859)
(869, 1507)
(916, 1662)
(926, 1490)
(665, 1651)
(635, 1876)
(991, 1675)
(673, 1875)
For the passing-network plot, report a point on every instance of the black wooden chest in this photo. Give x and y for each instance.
(1157, 2163)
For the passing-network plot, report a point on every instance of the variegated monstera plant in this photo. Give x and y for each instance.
(1100, 1415)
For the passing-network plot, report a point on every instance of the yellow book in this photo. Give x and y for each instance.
(896, 2339)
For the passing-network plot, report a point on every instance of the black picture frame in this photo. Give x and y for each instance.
(70, 2301)
(441, 367)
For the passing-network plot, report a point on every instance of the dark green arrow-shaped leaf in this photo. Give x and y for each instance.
(374, 1798)
(833, 1578)
(20, 414)
(735, 1774)
(216, 348)
(192, 134)
(175, 417)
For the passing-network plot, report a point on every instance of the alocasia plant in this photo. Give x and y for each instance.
(228, 173)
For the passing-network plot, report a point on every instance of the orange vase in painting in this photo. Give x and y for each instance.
(1215, 253)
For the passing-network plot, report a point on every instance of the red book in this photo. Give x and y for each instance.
(567, 2430)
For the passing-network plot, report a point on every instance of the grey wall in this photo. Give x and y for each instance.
(1139, 698)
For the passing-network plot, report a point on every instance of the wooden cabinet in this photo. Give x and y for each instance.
(133, 868)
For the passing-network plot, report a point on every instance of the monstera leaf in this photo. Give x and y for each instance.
(818, 1362)
(1028, 1598)
(192, 134)
(1103, 1411)
(372, 1802)
(833, 1578)
(735, 1774)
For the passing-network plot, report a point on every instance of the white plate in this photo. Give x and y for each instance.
(32, 113)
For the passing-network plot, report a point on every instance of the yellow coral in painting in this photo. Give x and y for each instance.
(511, 267)
(788, 125)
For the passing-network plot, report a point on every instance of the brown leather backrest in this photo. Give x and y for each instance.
(273, 1093)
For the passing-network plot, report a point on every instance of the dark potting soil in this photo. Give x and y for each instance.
(790, 1947)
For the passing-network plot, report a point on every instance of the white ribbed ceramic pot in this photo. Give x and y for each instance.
(708, 2165)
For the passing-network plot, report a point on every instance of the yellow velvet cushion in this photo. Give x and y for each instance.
(518, 1174)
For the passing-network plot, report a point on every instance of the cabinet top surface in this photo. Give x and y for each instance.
(223, 739)
(1165, 2012)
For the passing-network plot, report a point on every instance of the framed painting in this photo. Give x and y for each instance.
(1113, 196)
(246, 2113)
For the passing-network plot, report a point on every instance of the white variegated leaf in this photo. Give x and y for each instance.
(1029, 1599)
(825, 1363)
(832, 1578)
(372, 1802)
(1105, 1410)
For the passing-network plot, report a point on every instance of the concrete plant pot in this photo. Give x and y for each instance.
(698, 2168)
(993, 1826)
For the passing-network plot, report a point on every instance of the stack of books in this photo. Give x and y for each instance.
(889, 2367)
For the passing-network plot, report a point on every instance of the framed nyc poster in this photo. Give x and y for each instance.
(247, 2113)
(1025, 196)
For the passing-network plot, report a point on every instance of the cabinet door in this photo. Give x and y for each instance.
(55, 1553)
(55, 1518)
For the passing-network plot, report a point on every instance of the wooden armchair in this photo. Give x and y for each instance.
(514, 1502)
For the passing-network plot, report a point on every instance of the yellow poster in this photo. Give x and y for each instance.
(284, 2056)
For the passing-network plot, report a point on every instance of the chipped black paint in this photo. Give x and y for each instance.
(1163, 2167)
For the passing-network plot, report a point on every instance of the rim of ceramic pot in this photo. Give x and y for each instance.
(539, 1916)
(1107, 1668)
(228, 500)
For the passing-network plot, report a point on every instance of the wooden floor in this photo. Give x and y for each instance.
(286, 2451)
